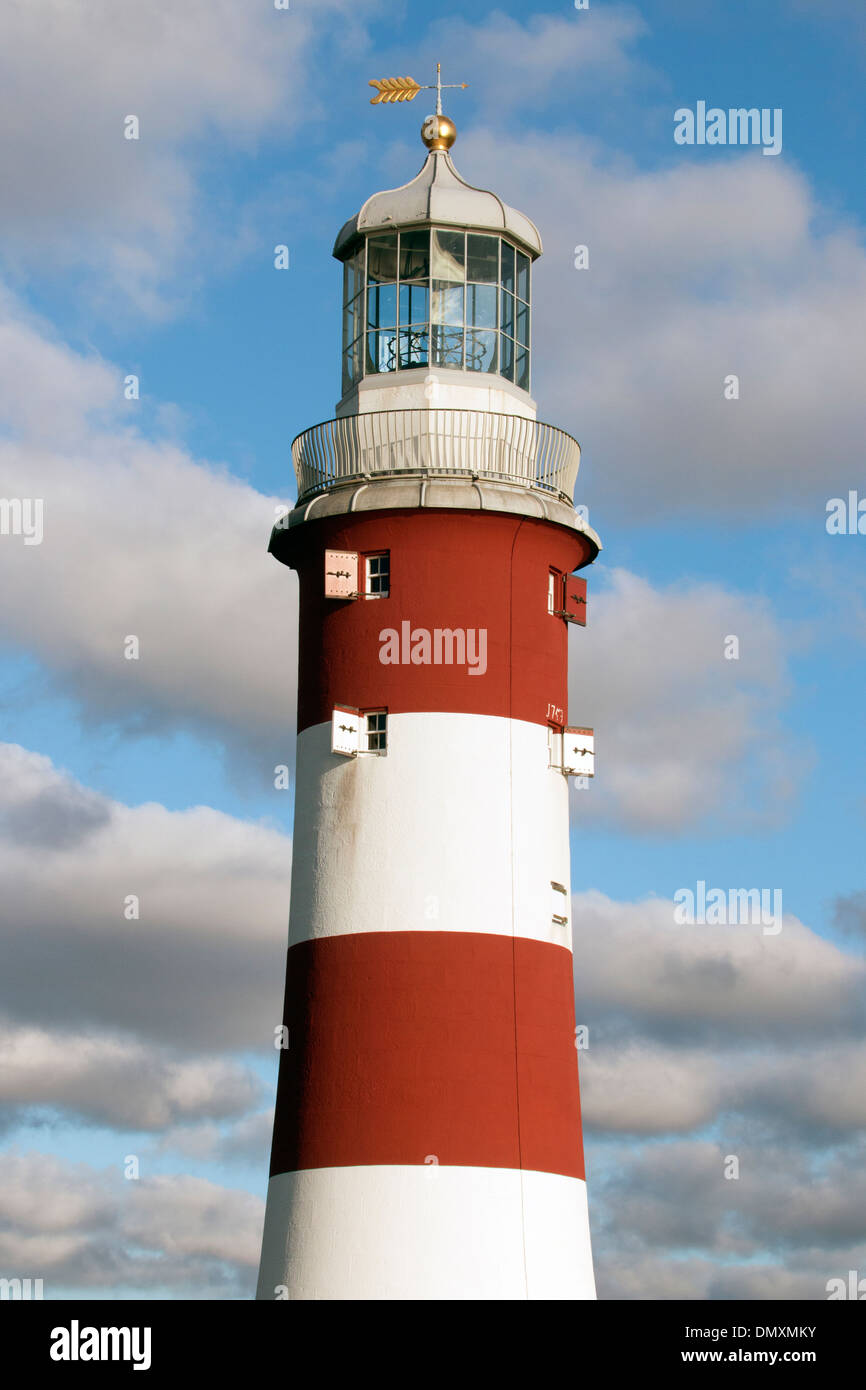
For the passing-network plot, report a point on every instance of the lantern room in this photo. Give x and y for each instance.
(436, 278)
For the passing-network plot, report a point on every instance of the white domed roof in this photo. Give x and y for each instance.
(438, 194)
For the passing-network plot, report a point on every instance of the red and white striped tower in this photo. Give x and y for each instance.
(427, 1140)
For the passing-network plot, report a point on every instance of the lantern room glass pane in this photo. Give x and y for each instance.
(413, 346)
(382, 351)
(447, 259)
(414, 304)
(446, 346)
(523, 323)
(353, 276)
(350, 331)
(382, 306)
(481, 306)
(480, 350)
(506, 357)
(415, 255)
(521, 375)
(507, 273)
(523, 276)
(482, 258)
(352, 363)
(507, 311)
(447, 303)
(382, 258)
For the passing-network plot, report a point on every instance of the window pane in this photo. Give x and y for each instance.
(507, 324)
(413, 347)
(352, 363)
(447, 347)
(352, 321)
(507, 267)
(414, 255)
(382, 258)
(481, 305)
(523, 323)
(376, 731)
(480, 350)
(382, 351)
(482, 258)
(382, 306)
(414, 304)
(506, 350)
(447, 303)
(522, 371)
(447, 259)
(378, 574)
(353, 275)
(523, 276)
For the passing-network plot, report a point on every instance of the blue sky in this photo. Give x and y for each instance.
(155, 257)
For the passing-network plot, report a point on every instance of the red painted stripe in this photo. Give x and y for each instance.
(407, 1044)
(449, 569)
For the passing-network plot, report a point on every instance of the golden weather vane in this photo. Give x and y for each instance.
(438, 132)
(392, 89)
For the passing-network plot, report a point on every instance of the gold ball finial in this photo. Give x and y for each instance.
(438, 132)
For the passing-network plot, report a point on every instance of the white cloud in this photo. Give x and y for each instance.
(201, 966)
(683, 736)
(676, 1195)
(645, 1089)
(139, 539)
(814, 1091)
(111, 1080)
(547, 55)
(728, 983)
(202, 75)
(73, 1224)
(698, 269)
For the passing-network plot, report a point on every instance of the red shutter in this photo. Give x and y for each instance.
(574, 600)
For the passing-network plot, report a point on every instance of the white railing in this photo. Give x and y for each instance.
(436, 442)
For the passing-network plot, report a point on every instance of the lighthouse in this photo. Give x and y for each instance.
(427, 1135)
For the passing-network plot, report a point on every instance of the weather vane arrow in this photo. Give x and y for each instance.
(391, 89)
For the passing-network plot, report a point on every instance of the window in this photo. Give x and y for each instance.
(436, 297)
(353, 318)
(378, 583)
(355, 731)
(552, 577)
(375, 732)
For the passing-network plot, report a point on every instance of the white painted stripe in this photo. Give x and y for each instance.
(426, 1232)
(461, 826)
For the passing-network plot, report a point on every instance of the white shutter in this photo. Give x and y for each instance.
(341, 574)
(578, 756)
(345, 731)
